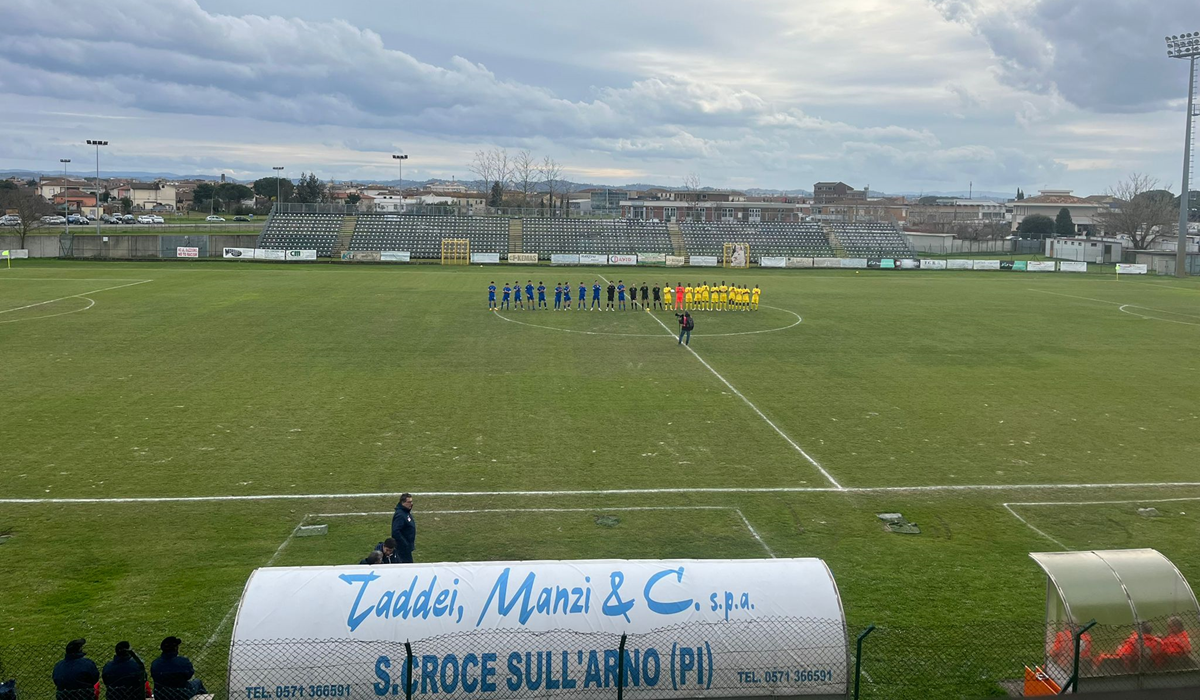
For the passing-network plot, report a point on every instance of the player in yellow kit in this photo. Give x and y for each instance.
(722, 296)
(754, 294)
(668, 297)
(704, 297)
(745, 298)
(687, 297)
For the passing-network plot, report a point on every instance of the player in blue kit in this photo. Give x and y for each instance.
(492, 296)
(582, 297)
(566, 296)
(517, 296)
(621, 294)
(595, 294)
(557, 297)
(542, 296)
(529, 293)
(504, 300)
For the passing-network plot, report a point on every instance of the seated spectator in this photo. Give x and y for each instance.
(387, 549)
(1176, 647)
(1062, 652)
(173, 673)
(124, 676)
(1139, 646)
(76, 676)
(373, 558)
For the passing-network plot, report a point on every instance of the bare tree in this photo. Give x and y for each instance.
(1143, 211)
(691, 182)
(29, 206)
(550, 173)
(525, 174)
(492, 167)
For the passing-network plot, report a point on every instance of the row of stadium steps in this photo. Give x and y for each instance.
(839, 251)
(871, 240)
(677, 244)
(767, 238)
(515, 235)
(344, 236)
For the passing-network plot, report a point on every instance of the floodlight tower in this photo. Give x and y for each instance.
(278, 199)
(1185, 46)
(97, 144)
(66, 202)
(400, 161)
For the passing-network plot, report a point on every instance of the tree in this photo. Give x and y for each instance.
(268, 186)
(126, 205)
(492, 167)
(309, 189)
(1063, 225)
(105, 196)
(496, 196)
(1036, 226)
(525, 173)
(233, 192)
(551, 174)
(1020, 195)
(203, 193)
(28, 205)
(1142, 213)
(353, 198)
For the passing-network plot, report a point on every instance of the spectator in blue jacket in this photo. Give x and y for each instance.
(172, 673)
(76, 676)
(404, 529)
(124, 676)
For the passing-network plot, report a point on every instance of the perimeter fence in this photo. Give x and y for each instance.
(763, 657)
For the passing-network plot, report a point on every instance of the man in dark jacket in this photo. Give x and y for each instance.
(171, 672)
(404, 529)
(124, 676)
(76, 676)
(387, 552)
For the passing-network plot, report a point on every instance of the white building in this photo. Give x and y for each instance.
(1050, 202)
(1093, 250)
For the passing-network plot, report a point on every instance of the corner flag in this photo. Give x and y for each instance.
(5, 254)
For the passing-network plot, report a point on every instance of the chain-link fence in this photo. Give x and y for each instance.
(764, 657)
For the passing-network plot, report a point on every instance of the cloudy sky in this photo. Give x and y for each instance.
(901, 95)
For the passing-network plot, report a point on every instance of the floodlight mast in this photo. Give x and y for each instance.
(1187, 46)
(97, 144)
(400, 161)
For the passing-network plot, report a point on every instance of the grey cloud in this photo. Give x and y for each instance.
(1103, 55)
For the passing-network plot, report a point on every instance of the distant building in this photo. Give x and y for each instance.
(1049, 202)
(830, 192)
(606, 200)
(949, 212)
(76, 202)
(728, 211)
(452, 186)
(48, 187)
(150, 196)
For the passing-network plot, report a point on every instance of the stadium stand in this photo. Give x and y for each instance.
(769, 239)
(286, 231)
(422, 235)
(600, 236)
(872, 240)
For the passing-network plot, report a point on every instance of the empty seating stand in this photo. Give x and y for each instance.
(770, 239)
(287, 231)
(422, 235)
(598, 236)
(872, 241)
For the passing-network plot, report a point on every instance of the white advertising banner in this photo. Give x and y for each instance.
(772, 262)
(800, 262)
(827, 262)
(301, 255)
(854, 262)
(933, 264)
(247, 253)
(676, 261)
(265, 254)
(722, 628)
(908, 264)
(592, 259)
(490, 258)
(622, 260)
(1071, 266)
(1128, 269)
(703, 261)
(986, 265)
(652, 258)
(187, 252)
(521, 258)
(958, 264)
(1039, 266)
(402, 256)
(15, 254)
(564, 259)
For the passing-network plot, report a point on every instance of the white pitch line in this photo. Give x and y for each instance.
(1008, 507)
(799, 320)
(91, 303)
(754, 532)
(74, 279)
(1156, 318)
(749, 403)
(73, 296)
(950, 488)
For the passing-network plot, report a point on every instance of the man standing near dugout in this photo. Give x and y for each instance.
(404, 529)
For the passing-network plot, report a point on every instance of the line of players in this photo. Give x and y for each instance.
(699, 297)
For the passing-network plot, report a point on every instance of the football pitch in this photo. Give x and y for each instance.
(166, 428)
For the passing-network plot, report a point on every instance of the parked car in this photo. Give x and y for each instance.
(128, 219)
(10, 220)
(57, 220)
(78, 220)
(156, 219)
(241, 218)
(145, 219)
(213, 218)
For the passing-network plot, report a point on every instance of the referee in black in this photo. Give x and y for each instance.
(657, 296)
(612, 290)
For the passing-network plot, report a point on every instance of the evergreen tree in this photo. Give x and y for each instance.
(496, 197)
(1063, 225)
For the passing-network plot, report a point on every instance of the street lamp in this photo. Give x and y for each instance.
(66, 204)
(97, 144)
(1185, 46)
(400, 161)
(278, 197)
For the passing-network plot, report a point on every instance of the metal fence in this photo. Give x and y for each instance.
(780, 656)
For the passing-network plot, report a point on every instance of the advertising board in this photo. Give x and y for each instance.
(399, 256)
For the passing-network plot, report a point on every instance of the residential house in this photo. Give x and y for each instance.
(1049, 202)
(830, 192)
(77, 202)
(49, 187)
(150, 196)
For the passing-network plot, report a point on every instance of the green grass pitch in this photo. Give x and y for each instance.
(150, 380)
